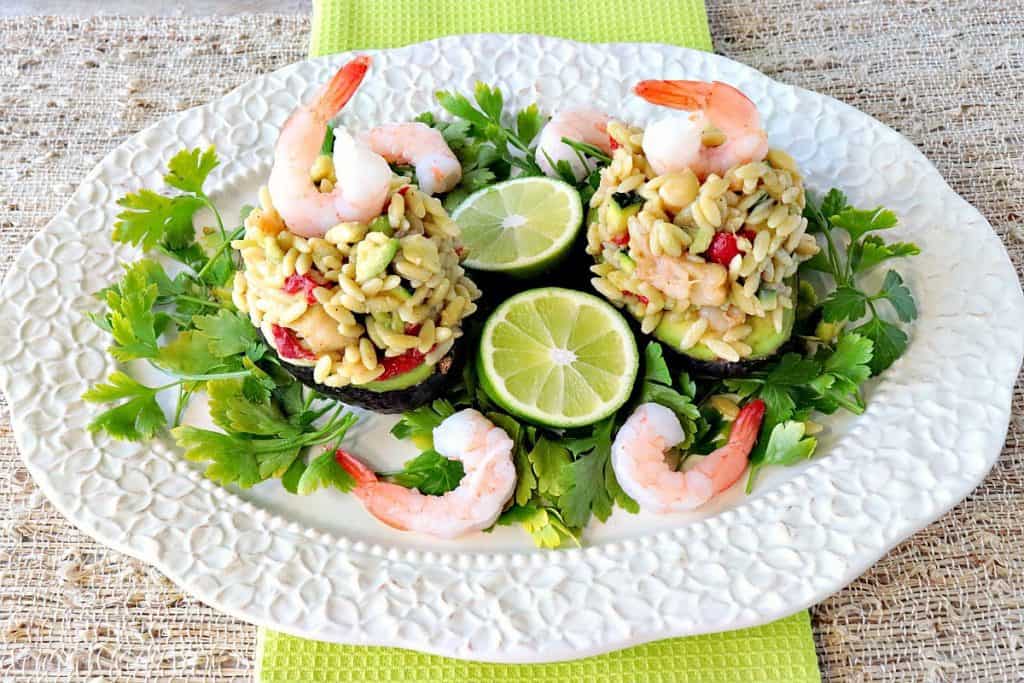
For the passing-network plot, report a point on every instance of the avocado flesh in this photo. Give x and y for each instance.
(617, 217)
(763, 340)
(402, 381)
(372, 259)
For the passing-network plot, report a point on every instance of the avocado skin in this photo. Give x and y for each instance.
(448, 370)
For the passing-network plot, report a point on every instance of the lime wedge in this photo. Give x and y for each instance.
(557, 357)
(520, 227)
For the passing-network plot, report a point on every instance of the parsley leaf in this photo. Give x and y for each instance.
(324, 472)
(548, 460)
(131, 317)
(526, 480)
(793, 369)
(889, 343)
(589, 482)
(528, 123)
(227, 333)
(872, 250)
(857, 222)
(431, 473)
(851, 358)
(189, 354)
(845, 303)
(150, 219)
(899, 296)
(232, 411)
(786, 446)
(134, 420)
(544, 524)
(833, 203)
(419, 424)
(188, 169)
(231, 458)
(655, 367)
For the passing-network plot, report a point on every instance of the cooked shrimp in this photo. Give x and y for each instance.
(638, 458)
(583, 125)
(320, 331)
(674, 143)
(363, 176)
(720, 320)
(423, 147)
(702, 284)
(486, 454)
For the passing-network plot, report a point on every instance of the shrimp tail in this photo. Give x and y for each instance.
(359, 471)
(341, 87)
(747, 424)
(725, 465)
(685, 95)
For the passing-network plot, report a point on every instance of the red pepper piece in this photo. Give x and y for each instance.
(296, 283)
(621, 240)
(413, 328)
(723, 248)
(397, 365)
(288, 344)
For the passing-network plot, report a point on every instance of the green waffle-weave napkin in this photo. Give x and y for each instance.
(782, 652)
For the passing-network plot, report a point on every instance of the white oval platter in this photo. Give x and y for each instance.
(320, 567)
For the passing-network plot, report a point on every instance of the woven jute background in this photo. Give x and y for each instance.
(946, 605)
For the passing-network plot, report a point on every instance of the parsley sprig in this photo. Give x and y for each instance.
(186, 327)
(847, 259)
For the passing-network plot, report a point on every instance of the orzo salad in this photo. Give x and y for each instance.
(470, 270)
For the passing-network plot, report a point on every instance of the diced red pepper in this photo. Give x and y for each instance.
(613, 143)
(397, 365)
(404, 189)
(621, 240)
(749, 234)
(460, 251)
(296, 283)
(642, 299)
(413, 328)
(288, 344)
(723, 248)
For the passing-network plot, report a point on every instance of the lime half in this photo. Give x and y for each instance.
(519, 227)
(557, 357)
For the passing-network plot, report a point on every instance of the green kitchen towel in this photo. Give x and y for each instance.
(358, 24)
(781, 652)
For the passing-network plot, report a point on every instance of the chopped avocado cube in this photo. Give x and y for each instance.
(389, 321)
(617, 215)
(381, 224)
(702, 239)
(625, 262)
(768, 297)
(373, 257)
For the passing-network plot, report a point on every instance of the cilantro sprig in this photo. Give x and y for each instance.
(846, 259)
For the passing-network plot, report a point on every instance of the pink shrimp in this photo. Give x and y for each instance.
(363, 176)
(437, 168)
(582, 125)
(486, 454)
(638, 458)
(674, 143)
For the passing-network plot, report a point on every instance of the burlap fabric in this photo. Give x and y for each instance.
(948, 604)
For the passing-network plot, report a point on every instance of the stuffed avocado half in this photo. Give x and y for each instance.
(370, 313)
(707, 265)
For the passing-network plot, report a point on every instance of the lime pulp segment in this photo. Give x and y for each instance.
(521, 225)
(558, 357)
